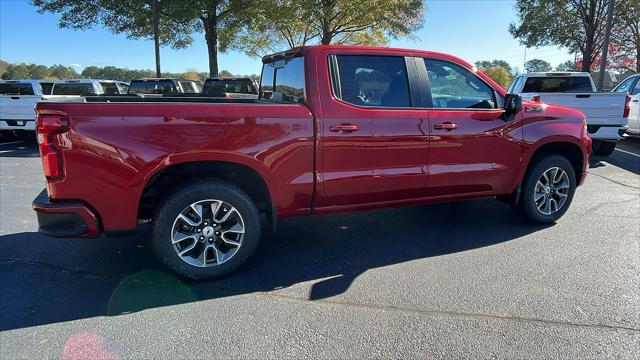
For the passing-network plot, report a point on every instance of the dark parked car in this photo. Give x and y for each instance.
(234, 87)
(164, 86)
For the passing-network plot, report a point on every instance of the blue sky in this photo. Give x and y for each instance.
(471, 29)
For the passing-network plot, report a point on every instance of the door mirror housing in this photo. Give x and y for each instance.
(512, 104)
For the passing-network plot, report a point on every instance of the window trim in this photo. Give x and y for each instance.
(495, 93)
(412, 80)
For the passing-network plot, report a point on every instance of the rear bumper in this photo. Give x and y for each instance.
(65, 218)
(607, 132)
(18, 124)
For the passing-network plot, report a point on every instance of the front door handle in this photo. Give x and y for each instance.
(445, 126)
(344, 128)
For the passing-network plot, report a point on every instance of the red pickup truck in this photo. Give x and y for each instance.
(335, 128)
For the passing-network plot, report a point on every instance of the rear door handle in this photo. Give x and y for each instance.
(344, 128)
(445, 126)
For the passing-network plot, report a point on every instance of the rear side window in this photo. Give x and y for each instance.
(377, 81)
(455, 87)
(283, 80)
(636, 90)
(46, 88)
(16, 89)
(568, 84)
(83, 89)
(152, 87)
(110, 88)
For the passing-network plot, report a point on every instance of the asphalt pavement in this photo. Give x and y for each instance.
(460, 280)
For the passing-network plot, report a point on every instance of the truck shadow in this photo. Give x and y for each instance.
(626, 156)
(22, 146)
(47, 280)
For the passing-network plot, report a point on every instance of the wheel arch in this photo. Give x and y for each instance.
(248, 178)
(569, 149)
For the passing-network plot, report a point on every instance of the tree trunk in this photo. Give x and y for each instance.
(211, 35)
(326, 38)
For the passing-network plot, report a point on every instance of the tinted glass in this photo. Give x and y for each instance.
(16, 89)
(110, 88)
(636, 89)
(379, 81)
(455, 87)
(73, 89)
(152, 87)
(283, 80)
(46, 88)
(240, 86)
(557, 84)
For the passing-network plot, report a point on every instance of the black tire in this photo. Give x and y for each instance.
(527, 205)
(603, 148)
(188, 193)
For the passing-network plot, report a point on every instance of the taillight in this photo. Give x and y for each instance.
(48, 126)
(627, 107)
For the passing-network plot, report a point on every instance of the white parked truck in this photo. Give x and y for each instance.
(606, 112)
(18, 98)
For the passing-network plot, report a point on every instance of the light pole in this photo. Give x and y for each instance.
(605, 45)
(156, 35)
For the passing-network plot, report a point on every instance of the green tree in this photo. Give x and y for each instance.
(284, 24)
(3, 67)
(568, 65)
(577, 25)
(225, 73)
(537, 65)
(63, 72)
(16, 72)
(625, 35)
(494, 63)
(499, 75)
(219, 20)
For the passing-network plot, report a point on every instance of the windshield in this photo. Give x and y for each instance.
(558, 84)
(283, 80)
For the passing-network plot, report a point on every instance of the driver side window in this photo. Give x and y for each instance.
(455, 87)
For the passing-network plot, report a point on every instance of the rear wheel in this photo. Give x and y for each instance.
(547, 190)
(205, 229)
(603, 148)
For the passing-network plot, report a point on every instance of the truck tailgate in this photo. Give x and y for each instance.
(18, 107)
(599, 108)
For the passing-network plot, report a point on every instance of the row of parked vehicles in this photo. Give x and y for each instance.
(19, 97)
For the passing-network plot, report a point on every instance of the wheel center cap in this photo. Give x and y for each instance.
(547, 189)
(207, 231)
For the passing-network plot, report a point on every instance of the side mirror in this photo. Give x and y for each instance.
(512, 104)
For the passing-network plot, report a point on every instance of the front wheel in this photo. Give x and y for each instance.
(603, 148)
(547, 190)
(205, 229)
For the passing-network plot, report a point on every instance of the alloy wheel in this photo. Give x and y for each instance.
(551, 191)
(207, 233)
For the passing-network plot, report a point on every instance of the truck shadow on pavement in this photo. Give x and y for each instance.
(626, 156)
(46, 280)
